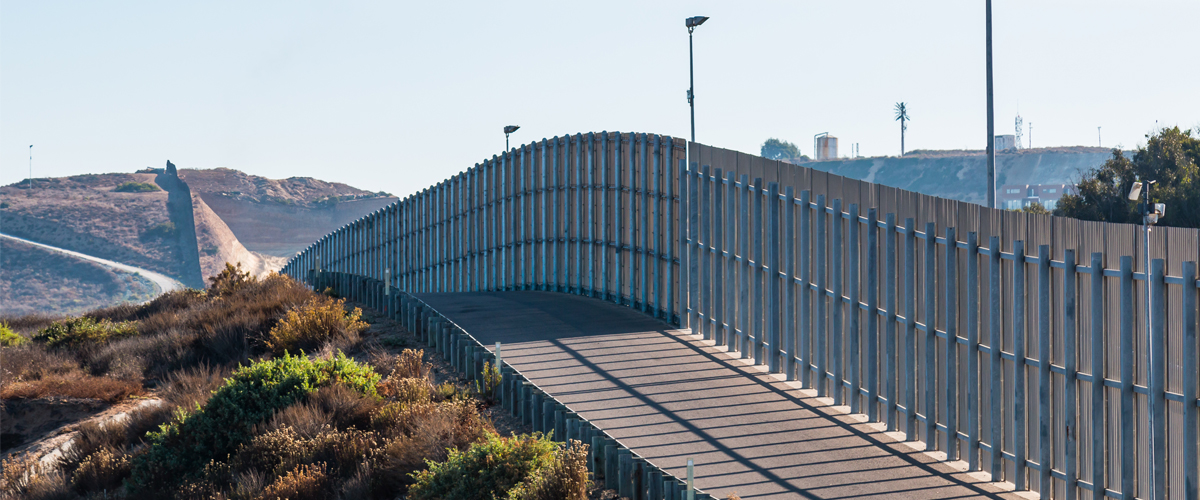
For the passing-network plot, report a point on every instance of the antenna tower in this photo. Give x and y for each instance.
(1019, 131)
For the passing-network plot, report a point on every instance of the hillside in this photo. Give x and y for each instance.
(35, 280)
(185, 225)
(962, 174)
(280, 217)
(84, 213)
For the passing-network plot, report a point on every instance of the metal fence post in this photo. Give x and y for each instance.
(973, 390)
(731, 262)
(872, 315)
(889, 328)
(1045, 357)
(837, 333)
(950, 380)
(773, 280)
(854, 312)
(746, 267)
(1071, 369)
(805, 291)
(821, 333)
(1158, 379)
(706, 259)
(996, 346)
(1191, 423)
(1128, 451)
(909, 373)
(789, 282)
(718, 259)
(931, 340)
(1019, 424)
(759, 273)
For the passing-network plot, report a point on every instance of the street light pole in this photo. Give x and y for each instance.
(991, 130)
(508, 129)
(691, 24)
(31, 168)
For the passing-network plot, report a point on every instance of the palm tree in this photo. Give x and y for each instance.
(902, 115)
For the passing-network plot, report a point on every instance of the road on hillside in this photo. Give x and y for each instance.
(164, 283)
(669, 397)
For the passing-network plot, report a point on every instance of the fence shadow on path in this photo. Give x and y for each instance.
(670, 398)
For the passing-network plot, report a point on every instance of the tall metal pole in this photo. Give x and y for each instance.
(31, 168)
(1149, 336)
(991, 131)
(692, 83)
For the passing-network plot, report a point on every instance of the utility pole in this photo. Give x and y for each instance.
(31, 169)
(1099, 138)
(991, 131)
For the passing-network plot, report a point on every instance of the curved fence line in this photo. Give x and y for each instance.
(1021, 344)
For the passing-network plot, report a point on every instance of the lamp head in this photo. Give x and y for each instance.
(1135, 191)
(508, 129)
(694, 21)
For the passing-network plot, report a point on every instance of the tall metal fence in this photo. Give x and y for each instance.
(1036, 348)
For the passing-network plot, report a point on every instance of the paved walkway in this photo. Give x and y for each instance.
(671, 397)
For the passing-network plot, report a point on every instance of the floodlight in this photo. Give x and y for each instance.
(508, 129)
(694, 21)
(1160, 209)
(1135, 191)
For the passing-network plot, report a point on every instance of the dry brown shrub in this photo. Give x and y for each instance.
(31, 362)
(423, 431)
(270, 452)
(320, 320)
(145, 419)
(79, 386)
(191, 386)
(305, 419)
(248, 485)
(343, 451)
(25, 477)
(357, 486)
(565, 478)
(347, 407)
(733, 496)
(102, 470)
(91, 437)
(411, 365)
(305, 482)
(407, 390)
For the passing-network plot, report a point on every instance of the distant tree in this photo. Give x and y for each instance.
(1170, 158)
(776, 149)
(902, 116)
(1035, 208)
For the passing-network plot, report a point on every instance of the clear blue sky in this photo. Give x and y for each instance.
(397, 95)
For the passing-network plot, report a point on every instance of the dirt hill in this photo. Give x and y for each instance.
(221, 215)
(280, 217)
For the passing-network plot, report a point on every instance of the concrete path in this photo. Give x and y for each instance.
(670, 397)
(164, 283)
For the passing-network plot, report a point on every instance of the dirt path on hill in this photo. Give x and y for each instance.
(164, 283)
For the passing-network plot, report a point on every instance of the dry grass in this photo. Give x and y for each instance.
(565, 478)
(305, 482)
(101, 471)
(77, 386)
(319, 321)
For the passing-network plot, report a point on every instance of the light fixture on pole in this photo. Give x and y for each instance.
(508, 129)
(1150, 212)
(691, 24)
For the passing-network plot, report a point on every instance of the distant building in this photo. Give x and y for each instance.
(1018, 196)
(826, 147)
(1004, 142)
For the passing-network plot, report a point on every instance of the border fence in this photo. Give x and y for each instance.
(1036, 348)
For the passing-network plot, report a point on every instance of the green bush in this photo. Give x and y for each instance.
(487, 470)
(136, 187)
(9, 338)
(163, 230)
(565, 478)
(180, 449)
(75, 332)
